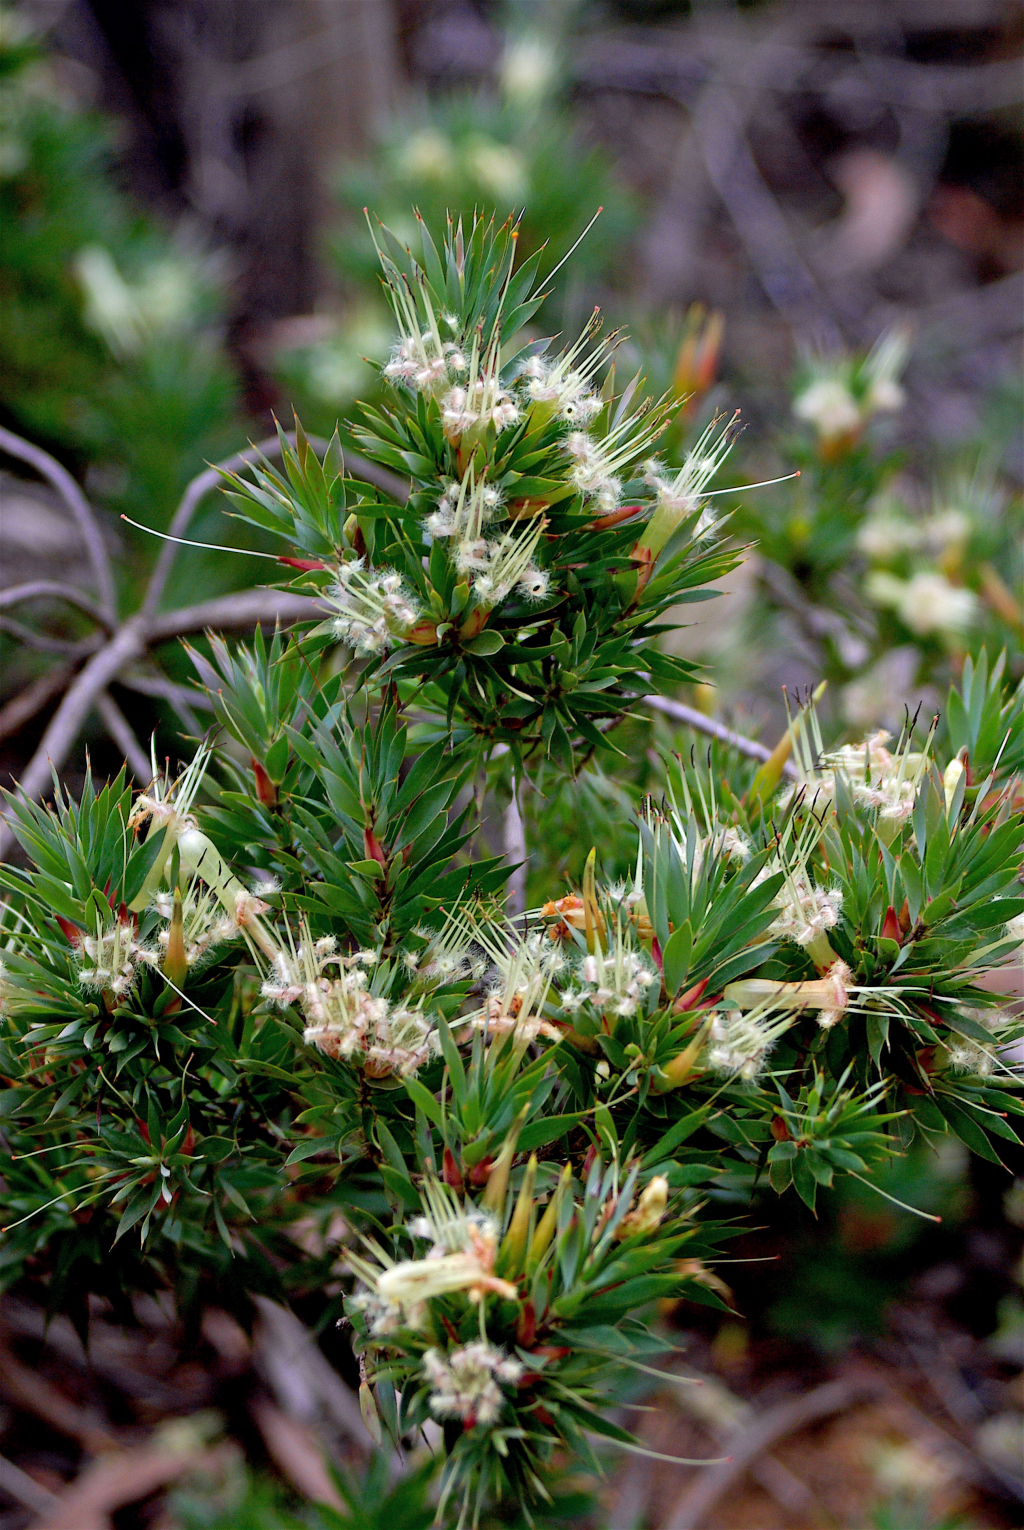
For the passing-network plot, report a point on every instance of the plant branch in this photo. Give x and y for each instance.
(43, 643)
(680, 712)
(751, 1440)
(36, 589)
(24, 706)
(210, 479)
(244, 609)
(130, 643)
(49, 468)
(120, 730)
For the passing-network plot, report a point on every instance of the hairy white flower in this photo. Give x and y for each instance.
(739, 1041)
(343, 1019)
(926, 602)
(464, 1382)
(480, 402)
(805, 911)
(885, 535)
(108, 958)
(830, 407)
(373, 607)
(205, 925)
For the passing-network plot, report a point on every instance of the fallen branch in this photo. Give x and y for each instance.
(32, 1392)
(680, 712)
(129, 644)
(752, 1440)
(23, 1488)
(120, 730)
(24, 706)
(294, 1450)
(120, 1478)
(49, 468)
(212, 478)
(38, 589)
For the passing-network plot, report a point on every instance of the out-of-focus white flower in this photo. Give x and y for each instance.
(842, 392)
(426, 156)
(464, 1382)
(528, 70)
(126, 314)
(881, 372)
(926, 602)
(945, 530)
(498, 168)
(885, 535)
(830, 407)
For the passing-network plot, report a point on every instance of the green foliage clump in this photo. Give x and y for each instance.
(282, 985)
(110, 346)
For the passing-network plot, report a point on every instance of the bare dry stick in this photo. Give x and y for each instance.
(211, 479)
(243, 609)
(296, 1452)
(121, 1477)
(120, 730)
(680, 712)
(129, 645)
(37, 589)
(32, 1392)
(751, 1440)
(24, 706)
(23, 1488)
(43, 643)
(48, 467)
(516, 852)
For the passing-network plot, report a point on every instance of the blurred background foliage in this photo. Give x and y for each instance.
(812, 214)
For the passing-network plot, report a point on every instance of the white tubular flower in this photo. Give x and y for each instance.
(840, 979)
(534, 584)
(421, 359)
(480, 402)
(1015, 929)
(509, 561)
(830, 407)
(965, 1058)
(739, 1041)
(108, 958)
(615, 982)
(462, 515)
(205, 925)
(464, 1383)
(805, 911)
(412, 1282)
(522, 970)
(563, 385)
(374, 608)
(593, 473)
(681, 496)
(877, 778)
(881, 372)
(344, 1020)
(926, 602)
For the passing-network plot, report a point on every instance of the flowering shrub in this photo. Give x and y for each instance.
(282, 985)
